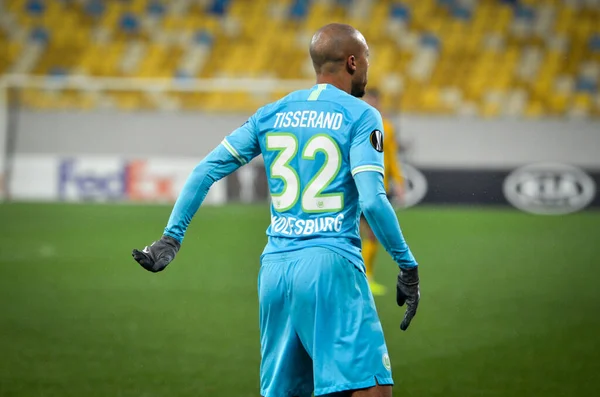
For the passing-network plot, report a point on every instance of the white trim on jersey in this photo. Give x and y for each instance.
(315, 94)
(363, 168)
(233, 152)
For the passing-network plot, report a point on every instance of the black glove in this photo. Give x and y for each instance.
(158, 255)
(407, 290)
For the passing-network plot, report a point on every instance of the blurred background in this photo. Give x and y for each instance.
(106, 106)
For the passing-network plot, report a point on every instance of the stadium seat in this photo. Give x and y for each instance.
(94, 8)
(129, 23)
(438, 49)
(35, 7)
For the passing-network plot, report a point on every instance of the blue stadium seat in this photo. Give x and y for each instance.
(35, 7)
(430, 40)
(39, 34)
(594, 42)
(218, 7)
(524, 12)
(299, 9)
(586, 85)
(57, 71)
(400, 11)
(129, 23)
(94, 8)
(155, 8)
(182, 75)
(447, 3)
(203, 37)
(461, 12)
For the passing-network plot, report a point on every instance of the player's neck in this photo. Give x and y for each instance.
(336, 81)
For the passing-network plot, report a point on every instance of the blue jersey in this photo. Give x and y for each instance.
(313, 142)
(317, 145)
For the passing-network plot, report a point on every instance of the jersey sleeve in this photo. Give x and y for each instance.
(382, 218)
(366, 147)
(237, 149)
(243, 142)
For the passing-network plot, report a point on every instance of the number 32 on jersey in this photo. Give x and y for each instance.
(313, 201)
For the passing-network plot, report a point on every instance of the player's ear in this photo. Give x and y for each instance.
(351, 64)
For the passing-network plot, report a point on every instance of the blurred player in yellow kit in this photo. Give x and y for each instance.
(394, 185)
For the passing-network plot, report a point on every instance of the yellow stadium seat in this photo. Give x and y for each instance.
(137, 6)
(557, 103)
(582, 101)
(266, 46)
(535, 109)
(490, 110)
(431, 99)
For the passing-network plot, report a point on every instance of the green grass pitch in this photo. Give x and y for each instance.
(510, 304)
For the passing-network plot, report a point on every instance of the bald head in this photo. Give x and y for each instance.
(333, 45)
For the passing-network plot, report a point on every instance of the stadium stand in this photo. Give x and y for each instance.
(494, 58)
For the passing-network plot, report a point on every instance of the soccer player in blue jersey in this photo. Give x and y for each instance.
(323, 152)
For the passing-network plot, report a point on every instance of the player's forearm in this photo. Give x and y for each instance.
(382, 218)
(218, 164)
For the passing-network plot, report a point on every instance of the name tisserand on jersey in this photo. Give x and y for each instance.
(290, 225)
(309, 119)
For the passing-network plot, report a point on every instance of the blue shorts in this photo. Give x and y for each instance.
(319, 329)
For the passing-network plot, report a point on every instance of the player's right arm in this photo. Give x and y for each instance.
(366, 161)
(237, 149)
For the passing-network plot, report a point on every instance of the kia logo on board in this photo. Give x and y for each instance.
(549, 188)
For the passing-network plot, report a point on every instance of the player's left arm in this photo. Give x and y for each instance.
(366, 161)
(237, 149)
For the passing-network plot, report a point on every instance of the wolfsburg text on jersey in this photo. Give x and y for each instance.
(310, 119)
(289, 225)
